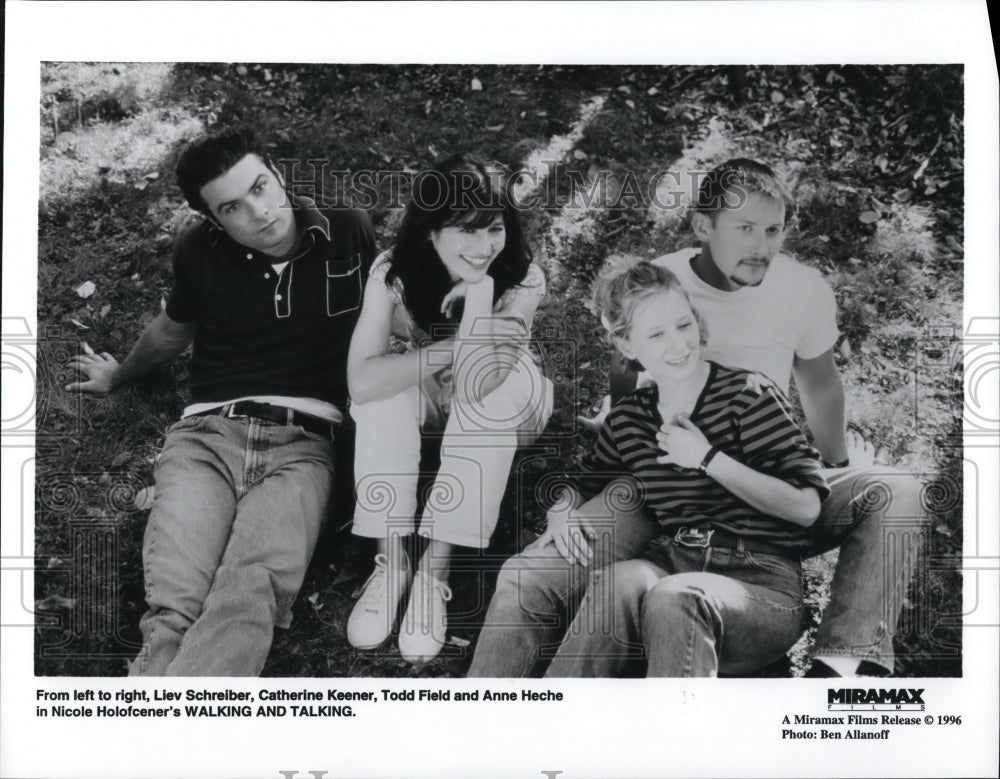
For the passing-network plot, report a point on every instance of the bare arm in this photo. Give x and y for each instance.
(798, 505)
(374, 375)
(488, 339)
(161, 341)
(822, 395)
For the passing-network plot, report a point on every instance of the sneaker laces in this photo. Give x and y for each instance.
(436, 584)
(373, 595)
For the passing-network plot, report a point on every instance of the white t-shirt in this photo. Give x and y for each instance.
(792, 313)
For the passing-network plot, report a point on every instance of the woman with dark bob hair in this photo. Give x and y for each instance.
(441, 345)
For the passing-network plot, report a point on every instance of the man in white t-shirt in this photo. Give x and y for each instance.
(763, 312)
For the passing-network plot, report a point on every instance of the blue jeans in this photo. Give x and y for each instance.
(237, 510)
(875, 517)
(686, 611)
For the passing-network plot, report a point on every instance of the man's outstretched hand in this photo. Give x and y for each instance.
(100, 372)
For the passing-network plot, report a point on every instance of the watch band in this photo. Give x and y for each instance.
(703, 467)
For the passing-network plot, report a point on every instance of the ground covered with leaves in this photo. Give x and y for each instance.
(874, 155)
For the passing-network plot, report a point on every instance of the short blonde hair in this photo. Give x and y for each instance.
(624, 282)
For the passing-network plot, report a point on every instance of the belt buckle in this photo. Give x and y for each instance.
(693, 537)
(229, 411)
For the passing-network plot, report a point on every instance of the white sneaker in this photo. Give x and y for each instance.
(374, 614)
(425, 623)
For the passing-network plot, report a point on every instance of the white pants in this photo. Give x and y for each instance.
(476, 454)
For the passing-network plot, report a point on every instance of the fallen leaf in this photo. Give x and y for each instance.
(80, 324)
(241, 70)
(630, 104)
(777, 97)
(652, 91)
(54, 562)
(120, 459)
(476, 85)
(105, 310)
(943, 530)
(144, 499)
(518, 92)
(55, 602)
(845, 349)
(313, 598)
(427, 107)
(494, 128)
(86, 289)
(584, 366)
(579, 155)
(153, 176)
(458, 641)
(869, 217)
(434, 152)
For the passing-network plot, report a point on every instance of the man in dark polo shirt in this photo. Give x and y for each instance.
(268, 288)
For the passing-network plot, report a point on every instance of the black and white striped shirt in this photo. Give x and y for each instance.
(741, 412)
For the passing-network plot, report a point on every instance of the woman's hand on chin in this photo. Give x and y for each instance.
(455, 294)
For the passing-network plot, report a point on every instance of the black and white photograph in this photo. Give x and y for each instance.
(395, 398)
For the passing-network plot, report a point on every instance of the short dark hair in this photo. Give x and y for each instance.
(459, 190)
(208, 157)
(728, 185)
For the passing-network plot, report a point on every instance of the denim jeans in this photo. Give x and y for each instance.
(538, 591)
(686, 612)
(237, 510)
(877, 518)
(476, 454)
(874, 515)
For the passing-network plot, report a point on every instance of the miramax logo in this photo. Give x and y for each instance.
(871, 699)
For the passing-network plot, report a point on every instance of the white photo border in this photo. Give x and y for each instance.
(620, 727)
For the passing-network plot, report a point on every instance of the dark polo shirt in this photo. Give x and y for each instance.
(259, 332)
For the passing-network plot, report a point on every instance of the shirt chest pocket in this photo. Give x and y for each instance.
(343, 285)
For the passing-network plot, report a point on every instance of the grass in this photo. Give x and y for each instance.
(108, 208)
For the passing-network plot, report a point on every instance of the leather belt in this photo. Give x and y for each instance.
(704, 537)
(279, 415)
